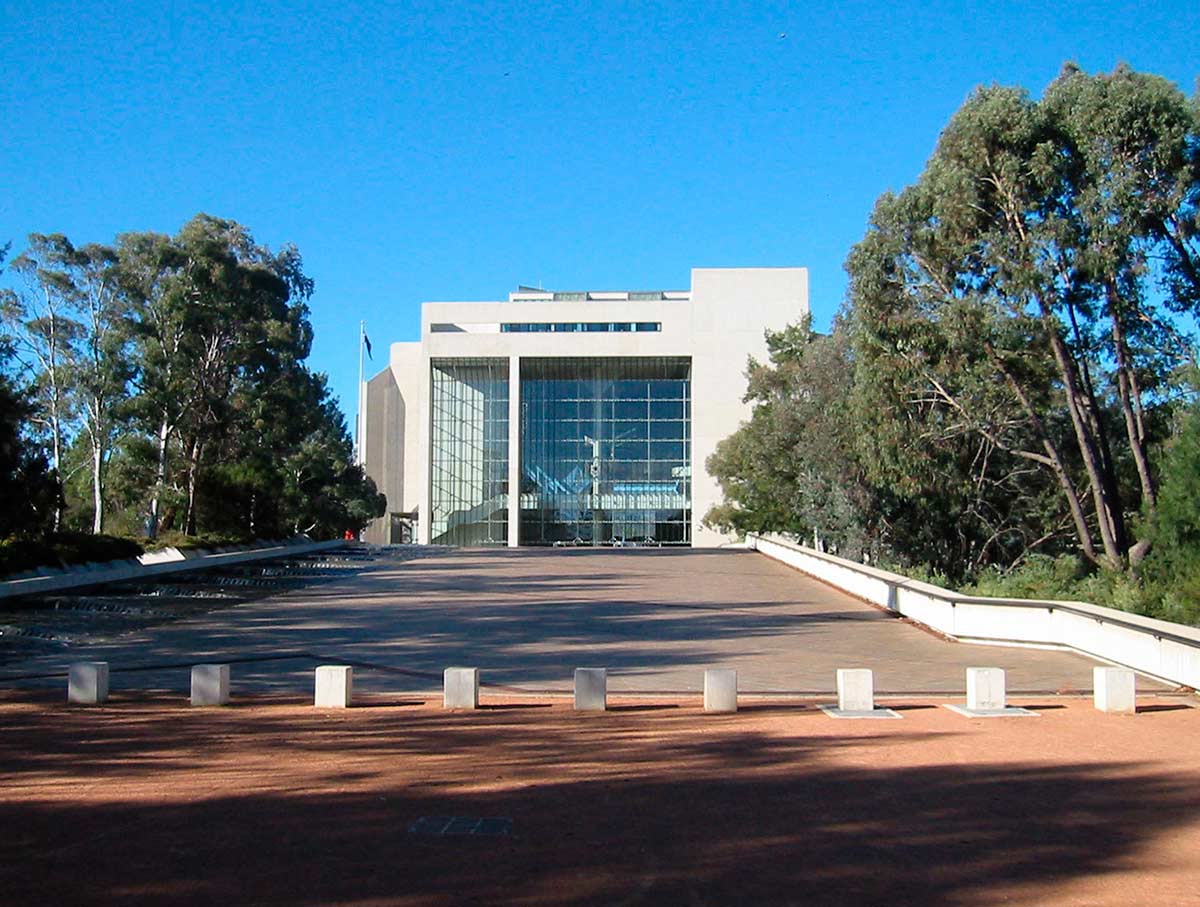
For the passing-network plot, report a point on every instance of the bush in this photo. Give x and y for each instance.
(183, 542)
(62, 549)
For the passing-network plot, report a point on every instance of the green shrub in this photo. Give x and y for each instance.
(175, 539)
(62, 549)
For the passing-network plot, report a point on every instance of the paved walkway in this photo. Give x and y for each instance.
(654, 617)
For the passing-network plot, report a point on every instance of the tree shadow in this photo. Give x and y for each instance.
(631, 810)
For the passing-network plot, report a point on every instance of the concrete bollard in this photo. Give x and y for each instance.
(856, 696)
(591, 689)
(335, 686)
(720, 690)
(985, 689)
(856, 690)
(210, 684)
(1114, 690)
(460, 688)
(986, 696)
(87, 683)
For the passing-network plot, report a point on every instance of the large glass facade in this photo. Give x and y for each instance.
(606, 451)
(469, 452)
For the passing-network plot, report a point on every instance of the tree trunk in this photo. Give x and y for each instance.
(1130, 395)
(160, 477)
(56, 458)
(1083, 532)
(1108, 513)
(55, 422)
(97, 487)
(193, 468)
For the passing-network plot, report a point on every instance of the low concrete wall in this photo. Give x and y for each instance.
(154, 564)
(1157, 648)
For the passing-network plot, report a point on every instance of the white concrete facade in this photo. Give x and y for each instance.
(718, 324)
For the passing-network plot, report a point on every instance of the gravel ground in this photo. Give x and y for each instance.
(146, 801)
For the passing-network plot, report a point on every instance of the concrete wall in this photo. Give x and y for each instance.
(1157, 648)
(153, 564)
(731, 310)
(718, 323)
(394, 405)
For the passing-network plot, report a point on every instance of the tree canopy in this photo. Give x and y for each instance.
(1013, 340)
(170, 371)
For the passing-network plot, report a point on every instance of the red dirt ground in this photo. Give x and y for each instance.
(146, 801)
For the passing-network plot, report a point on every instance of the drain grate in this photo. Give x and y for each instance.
(457, 826)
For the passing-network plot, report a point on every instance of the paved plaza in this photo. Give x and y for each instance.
(656, 618)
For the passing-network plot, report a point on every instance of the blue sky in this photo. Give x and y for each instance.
(452, 150)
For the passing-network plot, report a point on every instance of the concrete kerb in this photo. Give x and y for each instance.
(153, 565)
(1158, 649)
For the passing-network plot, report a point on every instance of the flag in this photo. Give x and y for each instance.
(367, 341)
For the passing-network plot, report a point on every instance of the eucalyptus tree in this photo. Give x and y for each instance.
(86, 277)
(246, 322)
(790, 468)
(1010, 294)
(152, 276)
(40, 318)
(27, 493)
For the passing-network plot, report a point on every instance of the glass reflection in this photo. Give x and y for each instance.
(469, 452)
(605, 451)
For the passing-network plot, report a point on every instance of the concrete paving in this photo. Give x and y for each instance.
(656, 618)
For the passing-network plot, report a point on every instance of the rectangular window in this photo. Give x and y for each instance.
(570, 327)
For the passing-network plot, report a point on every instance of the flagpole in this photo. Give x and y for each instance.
(358, 424)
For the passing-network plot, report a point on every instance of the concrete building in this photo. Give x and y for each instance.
(598, 408)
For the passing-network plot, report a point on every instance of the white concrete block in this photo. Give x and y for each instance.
(856, 690)
(335, 686)
(985, 689)
(1114, 690)
(210, 684)
(720, 690)
(591, 689)
(87, 682)
(460, 688)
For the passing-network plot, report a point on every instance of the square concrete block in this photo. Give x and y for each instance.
(591, 689)
(720, 690)
(985, 689)
(87, 682)
(460, 688)
(856, 690)
(210, 684)
(335, 685)
(1114, 690)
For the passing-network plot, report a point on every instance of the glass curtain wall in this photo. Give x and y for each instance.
(469, 452)
(606, 451)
